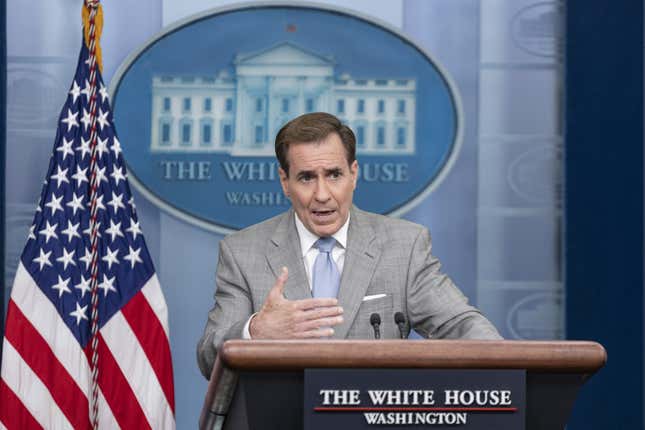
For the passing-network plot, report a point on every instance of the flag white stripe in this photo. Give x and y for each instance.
(134, 363)
(33, 303)
(42, 314)
(154, 296)
(2, 427)
(106, 418)
(30, 390)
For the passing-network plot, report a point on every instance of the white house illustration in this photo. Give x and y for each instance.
(241, 114)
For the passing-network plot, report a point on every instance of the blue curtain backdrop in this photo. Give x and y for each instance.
(604, 204)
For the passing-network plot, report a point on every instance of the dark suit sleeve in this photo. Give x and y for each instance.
(436, 307)
(232, 309)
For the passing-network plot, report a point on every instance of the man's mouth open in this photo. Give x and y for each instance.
(323, 213)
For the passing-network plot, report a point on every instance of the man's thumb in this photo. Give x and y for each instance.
(281, 280)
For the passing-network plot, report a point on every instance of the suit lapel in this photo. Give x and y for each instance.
(283, 249)
(361, 256)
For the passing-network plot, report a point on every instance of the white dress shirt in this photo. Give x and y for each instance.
(310, 252)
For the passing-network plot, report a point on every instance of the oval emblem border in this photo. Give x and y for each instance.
(527, 49)
(213, 227)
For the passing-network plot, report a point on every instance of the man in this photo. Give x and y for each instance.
(324, 267)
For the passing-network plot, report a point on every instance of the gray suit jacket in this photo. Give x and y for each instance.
(383, 256)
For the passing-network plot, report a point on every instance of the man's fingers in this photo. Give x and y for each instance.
(317, 313)
(306, 304)
(319, 323)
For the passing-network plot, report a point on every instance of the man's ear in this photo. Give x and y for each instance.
(284, 181)
(353, 170)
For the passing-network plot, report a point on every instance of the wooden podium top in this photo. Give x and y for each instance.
(551, 356)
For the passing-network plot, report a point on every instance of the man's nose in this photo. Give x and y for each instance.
(322, 191)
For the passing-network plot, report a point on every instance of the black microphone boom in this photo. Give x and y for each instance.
(399, 319)
(375, 320)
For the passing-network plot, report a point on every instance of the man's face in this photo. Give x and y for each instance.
(320, 184)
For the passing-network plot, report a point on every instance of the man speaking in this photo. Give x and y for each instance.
(325, 267)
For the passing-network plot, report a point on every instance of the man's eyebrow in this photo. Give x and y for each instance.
(333, 170)
(302, 173)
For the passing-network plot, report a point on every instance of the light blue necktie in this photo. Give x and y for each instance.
(325, 278)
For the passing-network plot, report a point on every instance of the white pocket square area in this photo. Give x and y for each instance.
(373, 297)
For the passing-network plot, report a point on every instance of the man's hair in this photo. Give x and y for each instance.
(313, 128)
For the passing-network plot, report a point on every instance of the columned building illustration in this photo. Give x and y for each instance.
(241, 113)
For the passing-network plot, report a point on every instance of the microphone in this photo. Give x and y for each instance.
(375, 320)
(399, 319)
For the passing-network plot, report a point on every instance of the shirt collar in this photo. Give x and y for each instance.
(307, 238)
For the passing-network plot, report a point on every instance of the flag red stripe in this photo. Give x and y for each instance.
(13, 414)
(116, 390)
(35, 351)
(152, 338)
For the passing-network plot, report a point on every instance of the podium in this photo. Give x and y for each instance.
(257, 384)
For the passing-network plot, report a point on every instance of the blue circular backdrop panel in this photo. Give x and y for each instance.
(198, 108)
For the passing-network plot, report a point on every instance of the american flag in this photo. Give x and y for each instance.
(46, 373)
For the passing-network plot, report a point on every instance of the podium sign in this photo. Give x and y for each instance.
(468, 399)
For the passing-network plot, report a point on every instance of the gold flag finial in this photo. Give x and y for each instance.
(98, 27)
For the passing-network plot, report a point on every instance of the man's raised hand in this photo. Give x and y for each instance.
(280, 318)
